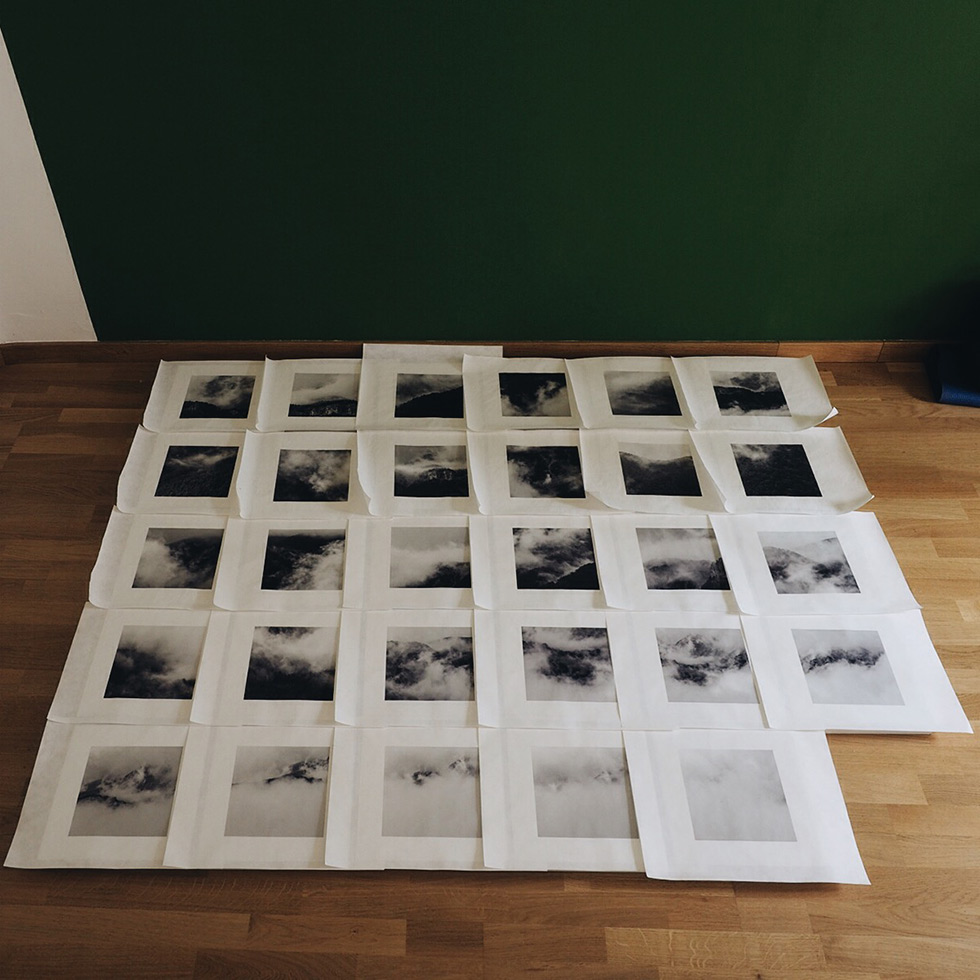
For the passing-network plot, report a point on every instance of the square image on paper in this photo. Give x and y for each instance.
(430, 471)
(197, 471)
(555, 558)
(203, 395)
(681, 558)
(807, 562)
(291, 663)
(304, 560)
(567, 663)
(518, 393)
(323, 395)
(428, 395)
(309, 394)
(429, 557)
(178, 558)
(749, 393)
(429, 663)
(218, 396)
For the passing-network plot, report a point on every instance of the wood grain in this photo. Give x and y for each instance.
(65, 430)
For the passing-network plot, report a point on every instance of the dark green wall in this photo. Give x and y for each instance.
(750, 169)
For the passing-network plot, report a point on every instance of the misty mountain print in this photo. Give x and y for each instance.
(428, 664)
(659, 477)
(567, 663)
(681, 558)
(555, 558)
(221, 396)
(775, 470)
(313, 475)
(846, 667)
(526, 393)
(291, 663)
(197, 471)
(545, 471)
(429, 396)
(178, 558)
(431, 471)
(155, 662)
(430, 557)
(705, 665)
(806, 562)
(749, 393)
(304, 560)
(641, 393)
(324, 396)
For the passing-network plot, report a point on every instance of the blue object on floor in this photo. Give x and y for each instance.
(954, 370)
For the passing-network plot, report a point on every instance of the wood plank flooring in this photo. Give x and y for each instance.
(65, 429)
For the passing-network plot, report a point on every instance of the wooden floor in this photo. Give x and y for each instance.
(914, 801)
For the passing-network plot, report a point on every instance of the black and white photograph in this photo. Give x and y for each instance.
(431, 791)
(323, 395)
(178, 558)
(313, 475)
(197, 471)
(736, 795)
(704, 665)
(806, 562)
(555, 558)
(218, 396)
(775, 470)
(156, 662)
(641, 393)
(681, 558)
(304, 560)
(126, 791)
(292, 663)
(429, 663)
(530, 393)
(659, 470)
(428, 396)
(545, 471)
(567, 663)
(430, 557)
(582, 791)
(278, 791)
(430, 471)
(846, 666)
(749, 393)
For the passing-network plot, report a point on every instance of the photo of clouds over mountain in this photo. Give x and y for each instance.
(681, 558)
(292, 663)
(429, 396)
(178, 558)
(304, 560)
(323, 396)
(736, 794)
(807, 561)
(278, 791)
(749, 393)
(659, 470)
(775, 470)
(218, 396)
(641, 393)
(705, 665)
(846, 667)
(526, 393)
(430, 558)
(582, 791)
(312, 474)
(197, 471)
(431, 791)
(545, 471)
(431, 471)
(429, 663)
(126, 791)
(555, 558)
(156, 662)
(567, 663)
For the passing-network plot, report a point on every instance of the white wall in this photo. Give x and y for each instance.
(40, 298)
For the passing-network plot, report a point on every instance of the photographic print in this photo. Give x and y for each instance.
(735, 795)
(641, 393)
(545, 471)
(430, 471)
(292, 663)
(775, 470)
(197, 471)
(681, 558)
(807, 562)
(431, 791)
(221, 396)
(304, 560)
(313, 475)
(582, 791)
(429, 663)
(665, 470)
(323, 395)
(555, 558)
(157, 662)
(846, 666)
(430, 557)
(567, 663)
(428, 396)
(705, 665)
(749, 393)
(178, 558)
(528, 393)
(126, 791)
(278, 791)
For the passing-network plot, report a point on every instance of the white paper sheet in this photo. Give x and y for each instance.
(412, 394)
(423, 352)
(852, 674)
(201, 396)
(741, 806)
(309, 393)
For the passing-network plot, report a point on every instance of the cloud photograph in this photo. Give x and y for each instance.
(218, 396)
(313, 475)
(703, 665)
(681, 558)
(304, 560)
(526, 394)
(197, 471)
(178, 558)
(803, 562)
(641, 393)
(659, 470)
(567, 663)
(324, 396)
(429, 663)
(775, 470)
(156, 662)
(749, 393)
(430, 557)
(292, 663)
(429, 396)
(555, 558)
(846, 667)
(545, 471)
(431, 471)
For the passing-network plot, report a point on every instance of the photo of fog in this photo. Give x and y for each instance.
(197, 471)
(807, 561)
(178, 558)
(312, 474)
(555, 558)
(736, 794)
(775, 470)
(218, 396)
(659, 470)
(156, 662)
(681, 558)
(324, 396)
(431, 791)
(278, 791)
(126, 791)
(641, 393)
(292, 663)
(429, 663)
(526, 393)
(705, 665)
(304, 560)
(582, 791)
(545, 471)
(749, 393)
(438, 396)
(430, 558)
(567, 663)
(431, 471)
(846, 667)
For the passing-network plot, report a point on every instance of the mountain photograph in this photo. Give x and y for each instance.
(749, 393)
(567, 663)
(428, 663)
(775, 470)
(292, 663)
(641, 393)
(197, 471)
(430, 557)
(304, 560)
(681, 558)
(312, 475)
(703, 665)
(555, 558)
(846, 667)
(431, 471)
(802, 562)
(156, 662)
(658, 471)
(429, 396)
(324, 396)
(545, 471)
(178, 558)
(527, 393)
(218, 396)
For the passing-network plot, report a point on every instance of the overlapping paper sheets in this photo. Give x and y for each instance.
(438, 608)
